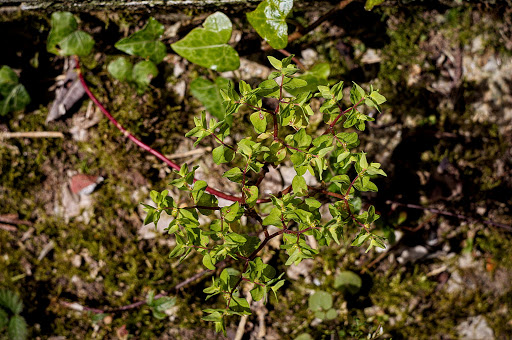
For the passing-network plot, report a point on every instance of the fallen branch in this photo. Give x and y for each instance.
(12, 219)
(456, 215)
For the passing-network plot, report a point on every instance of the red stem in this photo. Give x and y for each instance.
(139, 142)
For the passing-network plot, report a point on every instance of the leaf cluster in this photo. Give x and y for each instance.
(281, 137)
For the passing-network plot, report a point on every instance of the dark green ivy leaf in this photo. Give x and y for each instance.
(269, 20)
(208, 46)
(144, 43)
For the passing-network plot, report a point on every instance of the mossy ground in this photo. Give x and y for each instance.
(117, 267)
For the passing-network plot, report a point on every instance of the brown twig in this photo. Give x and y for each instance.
(32, 134)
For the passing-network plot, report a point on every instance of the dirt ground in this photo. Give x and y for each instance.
(444, 138)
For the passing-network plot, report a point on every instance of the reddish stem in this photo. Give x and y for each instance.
(139, 142)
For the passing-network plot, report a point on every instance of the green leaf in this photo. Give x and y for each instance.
(348, 281)
(143, 72)
(304, 336)
(18, 329)
(372, 3)
(251, 194)
(300, 188)
(274, 218)
(331, 314)
(144, 43)
(231, 212)
(214, 317)
(234, 175)
(320, 300)
(121, 69)
(360, 238)
(269, 20)
(259, 121)
(208, 262)
(276, 63)
(257, 293)
(77, 43)
(13, 95)
(64, 39)
(208, 93)
(315, 77)
(356, 94)
(208, 46)
(11, 301)
(222, 154)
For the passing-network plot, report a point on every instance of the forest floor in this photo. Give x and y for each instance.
(444, 138)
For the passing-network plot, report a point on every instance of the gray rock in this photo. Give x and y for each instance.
(475, 328)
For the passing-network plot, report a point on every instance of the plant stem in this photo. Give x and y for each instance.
(139, 142)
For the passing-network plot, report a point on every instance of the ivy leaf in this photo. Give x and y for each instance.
(269, 20)
(208, 46)
(13, 96)
(77, 43)
(143, 72)
(121, 69)
(208, 93)
(144, 43)
(65, 39)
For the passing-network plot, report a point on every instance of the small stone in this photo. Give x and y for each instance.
(475, 328)
(76, 261)
(107, 320)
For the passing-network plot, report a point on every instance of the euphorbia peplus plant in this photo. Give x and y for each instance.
(295, 210)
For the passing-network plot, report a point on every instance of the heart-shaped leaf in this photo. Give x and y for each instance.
(121, 69)
(269, 20)
(13, 95)
(142, 74)
(208, 93)
(208, 46)
(64, 38)
(144, 43)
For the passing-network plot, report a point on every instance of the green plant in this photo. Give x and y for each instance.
(281, 136)
(143, 43)
(11, 321)
(13, 95)
(320, 303)
(294, 211)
